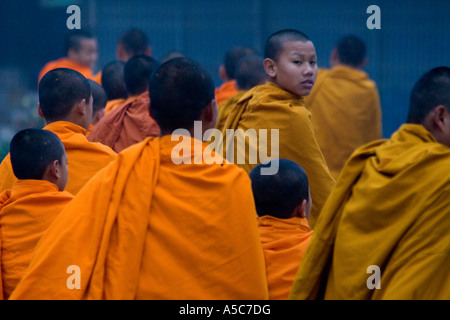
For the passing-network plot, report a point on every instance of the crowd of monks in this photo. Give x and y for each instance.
(96, 205)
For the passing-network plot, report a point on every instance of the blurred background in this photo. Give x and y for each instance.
(414, 37)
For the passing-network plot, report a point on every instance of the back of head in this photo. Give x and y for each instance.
(274, 44)
(136, 73)
(250, 72)
(430, 91)
(134, 42)
(113, 80)
(278, 195)
(32, 150)
(73, 38)
(180, 90)
(59, 90)
(232, 58)
(98, 95)
(351, 50)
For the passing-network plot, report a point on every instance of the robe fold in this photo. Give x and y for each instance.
(111, 104)
(390, 210)
(284, 243)
(147, 228)
(225, 108)
(70, 64)
(26, 211)
(270, 107)
(225, 91)
(126, 124)
(346, 113)
(85, 158)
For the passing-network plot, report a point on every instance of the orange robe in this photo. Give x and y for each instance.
(269, 107)
(284, 243)
(26, 211)
(225, 91)
(126, 125)
(147, 228)
(69, 64)
(85, 158)
(111, 104)
(390, 210)
(346, 113)
(225, 108)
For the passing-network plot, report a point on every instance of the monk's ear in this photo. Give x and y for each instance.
(363, 63)
(334, 58)
(148, 51)
(223, 73)
(53, 172)
(439, 117)
(271, 67)
(301, 209)
(81, 107)
(209, 115)
(40, 113)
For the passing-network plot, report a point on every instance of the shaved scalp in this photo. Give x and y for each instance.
(59, 90)
(134, 41)
(180, 90)
(232, 58)
(278, 195)
(430, 91)
(74, 37)
(351, 50)
(275, 43)
(32, 150)
(250, 72)
(98, 95)
(112, 80)
(136, 73)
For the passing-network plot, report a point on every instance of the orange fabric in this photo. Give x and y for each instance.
(126, 125)
(226, 107)
(111, 104)
(284, 243)
(346, 113)
(269, 107)
(147, 228)
(85, 158)
(26, 211)
(225, 91)
(69, 64)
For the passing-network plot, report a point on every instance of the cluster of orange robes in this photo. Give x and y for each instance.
(189, 247)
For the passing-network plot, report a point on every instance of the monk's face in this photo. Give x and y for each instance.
(296, 68)
(87, 54)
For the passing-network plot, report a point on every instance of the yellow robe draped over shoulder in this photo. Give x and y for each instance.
(148, 228)
(85, 158)
(346, 113)
(26, 211)
(271, 112)
(390, 210)
(225, 108)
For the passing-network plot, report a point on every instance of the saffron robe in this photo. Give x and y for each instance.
(225, 91)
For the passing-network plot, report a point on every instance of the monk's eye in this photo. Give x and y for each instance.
(297, 62)
(313, 63)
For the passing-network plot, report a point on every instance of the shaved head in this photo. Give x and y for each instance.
(274, 44)
(279, 194)
(250, 72)
(232, 58)
(430, 91)
(32, 150)
(112, 80)
(351, 50)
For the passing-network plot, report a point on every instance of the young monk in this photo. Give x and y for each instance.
(384, 231)
(227, 72)
(129, 122)
(99, 99)
(132, 42)
(249, 73)
(291, 65)
(114, 84)
(151, 225)
(80, 47)
(344, 104)
(40, 163)
(65, 103)
(283, 204)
